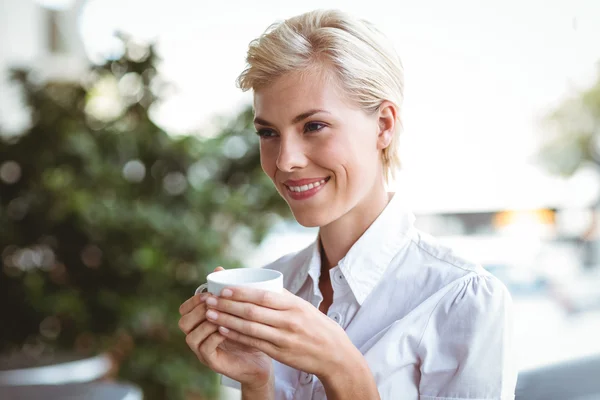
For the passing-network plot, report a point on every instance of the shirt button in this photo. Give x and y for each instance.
(307, 378)
(337, 317)
(338, 280)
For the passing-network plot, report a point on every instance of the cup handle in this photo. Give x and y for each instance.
(202, 289)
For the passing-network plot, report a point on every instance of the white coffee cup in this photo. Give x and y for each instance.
(259, 278)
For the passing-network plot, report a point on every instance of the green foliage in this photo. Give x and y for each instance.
(108, 223)
(572, 137)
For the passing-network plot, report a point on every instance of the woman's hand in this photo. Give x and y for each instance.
(247, 365)
(283, 326)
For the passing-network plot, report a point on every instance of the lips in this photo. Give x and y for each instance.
(309, 187)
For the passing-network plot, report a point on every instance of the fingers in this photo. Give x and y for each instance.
(191, 320)
(192, 303)
(208, 348)
(202, 336)
(249, 328)
(247, 311)
(196, 338)
(273, 300)
(266, 347)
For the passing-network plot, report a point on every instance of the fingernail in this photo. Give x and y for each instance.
(211, 314)
(223, 330)
(211, 301)
(203, 297)
(226, 293)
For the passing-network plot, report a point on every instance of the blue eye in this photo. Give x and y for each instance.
(313, 127)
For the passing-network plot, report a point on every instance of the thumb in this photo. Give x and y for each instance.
(219, 269)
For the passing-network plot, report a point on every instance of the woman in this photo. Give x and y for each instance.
(374, 308)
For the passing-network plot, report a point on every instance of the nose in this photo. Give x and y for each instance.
(291, 154)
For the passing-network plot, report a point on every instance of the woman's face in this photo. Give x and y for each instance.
(322, 153)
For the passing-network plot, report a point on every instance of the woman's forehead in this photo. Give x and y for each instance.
(296, 92)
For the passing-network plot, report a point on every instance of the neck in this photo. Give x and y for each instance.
(340, 235)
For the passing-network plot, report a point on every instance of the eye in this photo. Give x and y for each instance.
(266, 133)
(313, 127)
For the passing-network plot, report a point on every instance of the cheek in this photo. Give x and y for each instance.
(268, 160)
(364, 152)
(346, 157)
(333, 157)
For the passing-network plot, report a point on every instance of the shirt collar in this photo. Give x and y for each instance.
(366, 261)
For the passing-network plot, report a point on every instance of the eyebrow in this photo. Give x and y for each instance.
(296, 119)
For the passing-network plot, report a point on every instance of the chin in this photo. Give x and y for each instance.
(311, 219)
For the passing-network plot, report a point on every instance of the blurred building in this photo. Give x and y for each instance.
(41, 35)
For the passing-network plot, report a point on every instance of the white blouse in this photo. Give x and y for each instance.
(431, 325)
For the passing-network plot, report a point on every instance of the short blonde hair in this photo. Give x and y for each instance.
(366, 64)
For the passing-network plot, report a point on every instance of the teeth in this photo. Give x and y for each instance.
(304, 188)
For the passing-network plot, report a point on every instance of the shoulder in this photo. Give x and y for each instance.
(439, 262)
(459, 285)
(440, 273)
(466, 340)
(440, 256)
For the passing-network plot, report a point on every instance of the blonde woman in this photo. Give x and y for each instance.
(374, 308)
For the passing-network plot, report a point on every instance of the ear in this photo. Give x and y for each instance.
(387, 118)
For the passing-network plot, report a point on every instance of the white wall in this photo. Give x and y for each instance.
(24, 42)
(21, 41)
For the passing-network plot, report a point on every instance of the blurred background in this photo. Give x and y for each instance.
(129, 170)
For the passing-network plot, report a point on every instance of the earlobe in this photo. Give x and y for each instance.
(387, 124)
(384, 139)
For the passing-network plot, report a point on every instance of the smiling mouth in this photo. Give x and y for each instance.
(306, 188)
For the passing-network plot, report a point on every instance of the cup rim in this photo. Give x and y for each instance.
(274, 275)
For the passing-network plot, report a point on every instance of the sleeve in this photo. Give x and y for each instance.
(466, 349)
(227, 381)
(282, 390)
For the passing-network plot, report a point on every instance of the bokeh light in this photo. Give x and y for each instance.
(10, 172)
